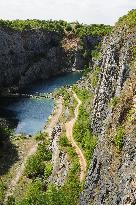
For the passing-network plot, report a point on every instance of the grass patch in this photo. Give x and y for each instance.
(118, 137)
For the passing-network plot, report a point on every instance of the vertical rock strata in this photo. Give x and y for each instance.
(111, 178)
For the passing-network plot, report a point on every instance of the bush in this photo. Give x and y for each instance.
(34, 166)
(63, 141)
(83, 134)
(95, 54)
(48, 170)
(93, 30)
(86, 71)
(43, 152)
(34, 194)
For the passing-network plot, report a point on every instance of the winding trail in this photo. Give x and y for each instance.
(69, 133)
(32, 149)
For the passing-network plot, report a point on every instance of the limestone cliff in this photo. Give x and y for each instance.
(30, 55)
(111, 178)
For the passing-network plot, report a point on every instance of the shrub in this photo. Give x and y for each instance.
(63, 141)
(36, 163)
(83, 94)
(34, 166)
(93, 30)
(48, 170)
(43, 152)
(86, 71)
(34, 194)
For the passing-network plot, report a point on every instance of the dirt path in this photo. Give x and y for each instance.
(69, 132)
(32, 149)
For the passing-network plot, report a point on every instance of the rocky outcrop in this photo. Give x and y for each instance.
(30, 55)
(60, 160)
(111, 178)
(60, 163)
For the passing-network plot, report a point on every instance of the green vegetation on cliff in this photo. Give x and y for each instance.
(128, 20)
(61, 26)
(92, 30)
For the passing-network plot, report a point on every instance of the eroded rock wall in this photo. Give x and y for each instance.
(111, 178)
(30, 55)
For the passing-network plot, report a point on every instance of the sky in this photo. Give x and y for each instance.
(84, 11)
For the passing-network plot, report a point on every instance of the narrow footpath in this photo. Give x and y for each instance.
(69, 133)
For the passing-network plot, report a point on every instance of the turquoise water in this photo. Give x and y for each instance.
(32, 114)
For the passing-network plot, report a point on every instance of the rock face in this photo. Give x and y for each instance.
(111, 178)
(28, 56)
(59, 159)
(114, 72)
(37, 54)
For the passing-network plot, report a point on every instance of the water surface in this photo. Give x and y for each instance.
(32, 114)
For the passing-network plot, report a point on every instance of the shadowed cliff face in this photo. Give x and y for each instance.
(32, 55)
(28, 56)
(111, 178)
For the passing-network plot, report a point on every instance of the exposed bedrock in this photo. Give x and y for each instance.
(111, 178)
(33, 55)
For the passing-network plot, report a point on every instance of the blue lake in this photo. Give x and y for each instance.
(32, 114)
